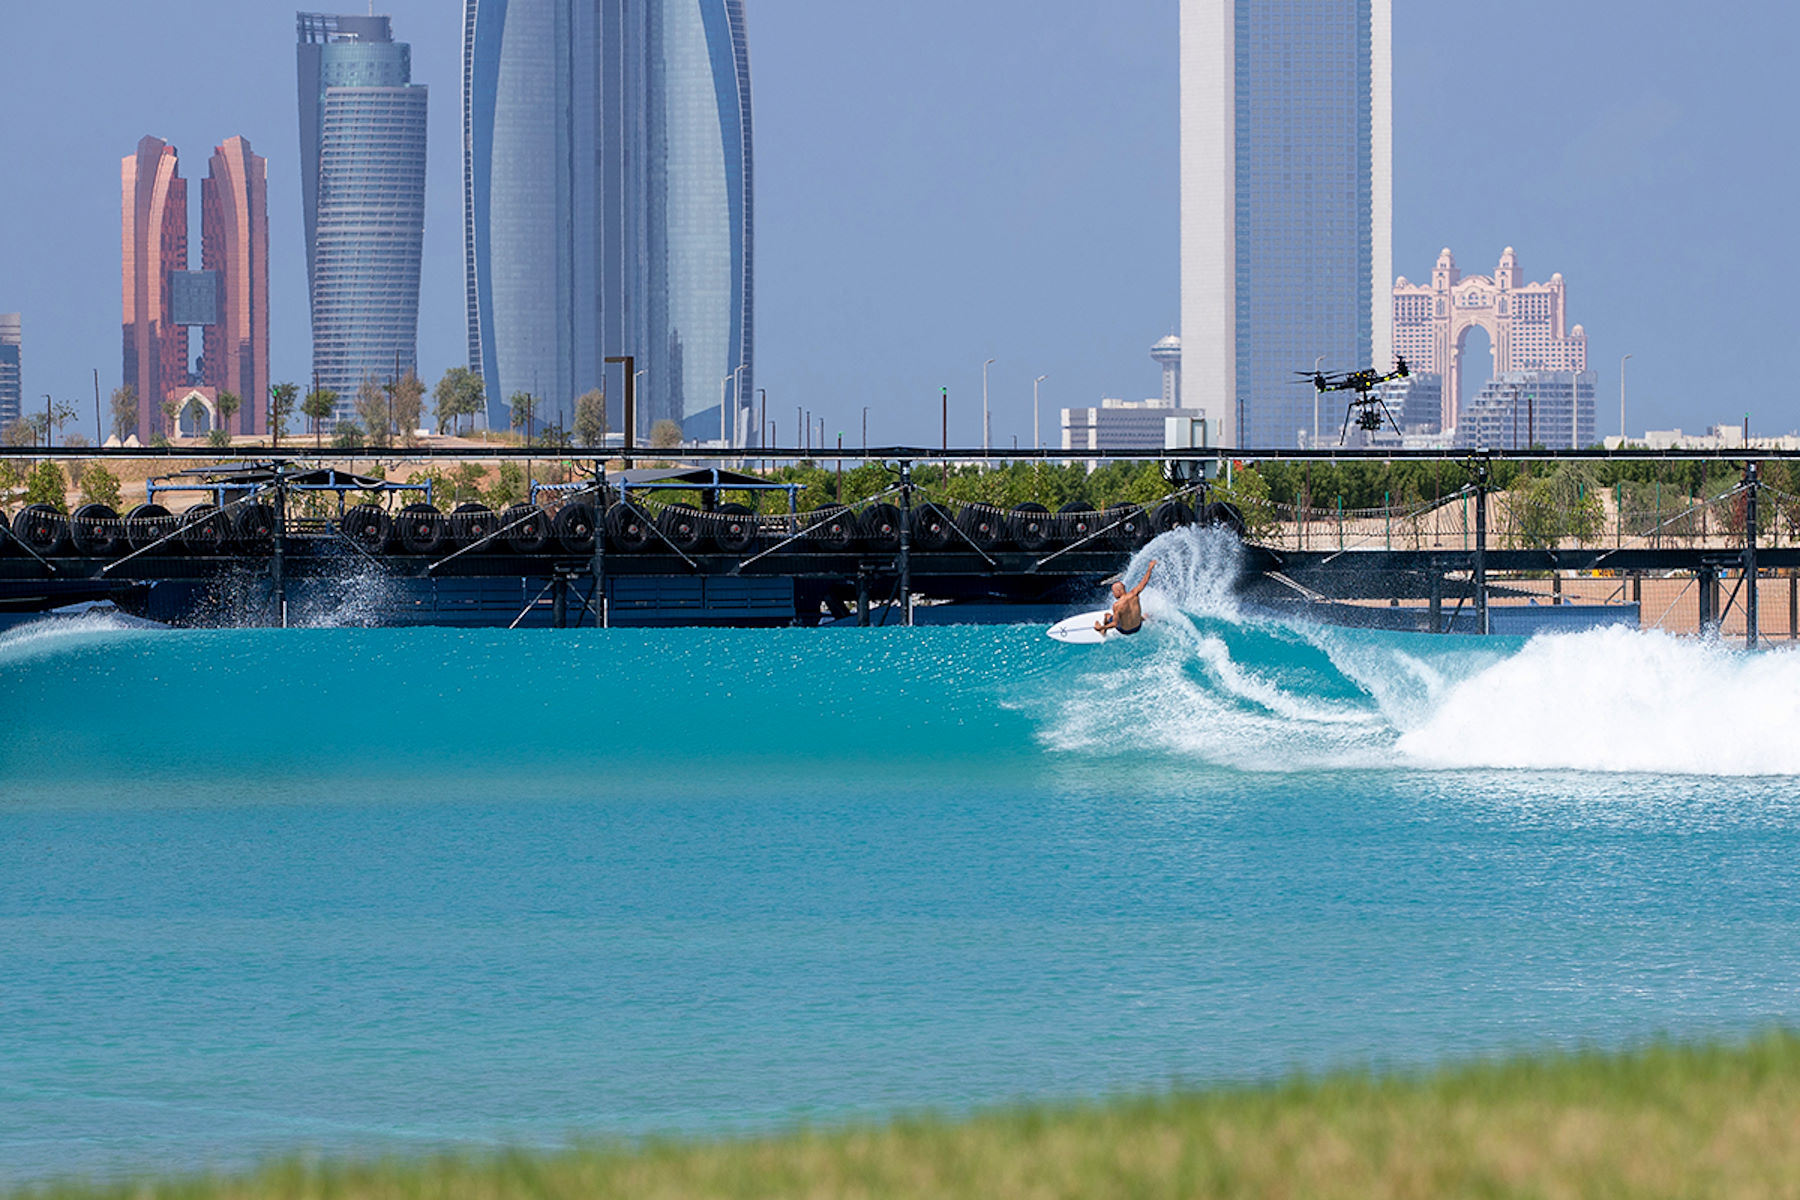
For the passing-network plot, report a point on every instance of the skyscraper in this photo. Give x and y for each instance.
(1286, 204)
(228, 299)
(362, 180)
(12, 396)
(607, 182)
(234, 249)
(155, 250)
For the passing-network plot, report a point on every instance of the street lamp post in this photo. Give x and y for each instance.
(1037, 441)
(1622, 363)
(985, 427)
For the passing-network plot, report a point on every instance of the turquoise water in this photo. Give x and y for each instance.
(364, 890)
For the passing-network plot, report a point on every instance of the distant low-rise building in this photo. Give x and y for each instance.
(1132, 425)
(1717, 437)
(1521, 409)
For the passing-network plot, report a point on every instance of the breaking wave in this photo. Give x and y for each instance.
(1226, 686)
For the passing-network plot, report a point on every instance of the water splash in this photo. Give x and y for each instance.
(1223, 686)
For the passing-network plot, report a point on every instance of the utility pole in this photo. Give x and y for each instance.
(99, 429)
(1622, 363)
(986, 425)
(946, 435)
(1037, 441)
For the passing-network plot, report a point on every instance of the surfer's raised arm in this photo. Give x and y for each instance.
(1145, 581)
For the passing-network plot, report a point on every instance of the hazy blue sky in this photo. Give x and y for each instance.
(943, 181)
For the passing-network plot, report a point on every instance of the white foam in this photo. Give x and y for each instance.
(55, 634)
(1620, 700)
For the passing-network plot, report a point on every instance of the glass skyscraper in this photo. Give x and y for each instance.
(608, 192)
(362, 173)
(1286, 206)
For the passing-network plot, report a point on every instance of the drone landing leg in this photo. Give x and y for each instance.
(1345, 431)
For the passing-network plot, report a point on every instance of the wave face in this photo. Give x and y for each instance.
(1208, 685)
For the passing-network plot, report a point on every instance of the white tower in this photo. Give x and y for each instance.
(1286, 204)
(1167, 355)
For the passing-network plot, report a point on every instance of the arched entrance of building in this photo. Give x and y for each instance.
(1469, 371)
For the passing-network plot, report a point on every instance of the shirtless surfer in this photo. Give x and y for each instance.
(1127, 615)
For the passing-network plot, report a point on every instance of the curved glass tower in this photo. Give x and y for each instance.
(607, 192)
(362, 166)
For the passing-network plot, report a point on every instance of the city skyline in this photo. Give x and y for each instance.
(976, 197)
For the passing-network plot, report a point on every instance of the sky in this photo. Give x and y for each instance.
(945, 181)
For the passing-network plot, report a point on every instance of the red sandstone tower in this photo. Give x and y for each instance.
(228, 298)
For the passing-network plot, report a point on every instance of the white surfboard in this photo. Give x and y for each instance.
(1080, 631)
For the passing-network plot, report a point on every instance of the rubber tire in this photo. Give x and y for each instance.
(96, 532)
(932, 529)
(1169, 515)
(1032, 527)
(368, 527)
(205, 529)
(253, 526)
(628, 529)
(880, 527)
(1225, 513)
(685, 527)
(835, 529)
(422, 529)
(985, 527)
(1134, 531)
(471, 522)
(41, 528)
(146, 524)
(734, 528)
(1078, 520)
(574, 527)
(527, 528)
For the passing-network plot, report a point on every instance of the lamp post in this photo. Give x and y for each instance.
(737, 402)
(1037, 441)
(1622, 363)
(865, 429)
(985, 431)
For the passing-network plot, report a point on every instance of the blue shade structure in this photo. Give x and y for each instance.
(608, 193)
(362, 171)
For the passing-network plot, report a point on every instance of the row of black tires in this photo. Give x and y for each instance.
(95, 530)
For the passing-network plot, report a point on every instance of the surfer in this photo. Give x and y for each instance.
(1127, 615)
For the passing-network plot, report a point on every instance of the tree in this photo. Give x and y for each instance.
(524, 407)
(319, 404)
(282, 397)
(124, 412)
(100, 486)
(228, 404)
(349, 436)
(665, 435)
(47, 485)
(57, 414)
(171, 409)
(408, 404)
(460, 393)
(509, 486)
(374, 409)
(590, 418)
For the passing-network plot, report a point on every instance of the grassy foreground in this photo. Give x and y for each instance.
(1662, 1121)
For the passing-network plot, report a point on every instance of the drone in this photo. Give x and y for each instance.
(1369, 410)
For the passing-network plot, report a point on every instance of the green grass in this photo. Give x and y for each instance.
(1666, 1120)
